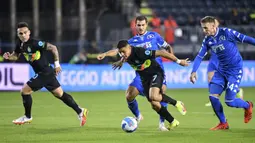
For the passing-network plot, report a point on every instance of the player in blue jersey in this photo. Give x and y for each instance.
(212, 67)
(223, 43)
(150, 40)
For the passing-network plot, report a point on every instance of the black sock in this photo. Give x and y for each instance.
(164, 113)
(168, 99)
(69, 101)
(27, 103)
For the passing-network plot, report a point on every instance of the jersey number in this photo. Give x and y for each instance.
(231, 86)
(154, 77)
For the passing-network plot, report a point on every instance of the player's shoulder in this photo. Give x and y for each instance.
(38, 42)
(206, 39)
(152, 33)
(226, 29)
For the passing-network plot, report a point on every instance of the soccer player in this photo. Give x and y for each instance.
(34, 52)
(212, 67)
(151, 74)
(222, 43)
(148, 40)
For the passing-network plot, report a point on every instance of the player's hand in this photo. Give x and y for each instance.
(57, 70)
(117, 65)
(6, 55)
(185, 62)
(101, 56)
(193, 77)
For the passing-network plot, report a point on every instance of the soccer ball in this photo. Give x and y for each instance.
(129, 124)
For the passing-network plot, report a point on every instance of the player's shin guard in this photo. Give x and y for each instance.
(164, 113)
(168, 99)
(69, 101)
(133, 106)
(27, 103)
(164, 104)
(218, 109)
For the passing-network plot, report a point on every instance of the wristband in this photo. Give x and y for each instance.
(178, 61)
(56, 64)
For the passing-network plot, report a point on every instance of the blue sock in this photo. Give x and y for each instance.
(162, 119)
(238, 103)
(133, 106)
(218, 109)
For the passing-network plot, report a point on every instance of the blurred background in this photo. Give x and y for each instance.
(83, 28)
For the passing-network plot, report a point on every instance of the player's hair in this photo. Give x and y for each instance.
(122, 43)
(22, 24)
(208, 19)
(141, 18)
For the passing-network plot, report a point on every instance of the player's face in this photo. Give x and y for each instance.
(125, 51)
(208, 28)
(23, 34)
(141, 27)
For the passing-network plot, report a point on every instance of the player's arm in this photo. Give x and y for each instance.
(197, 62)
(240, 37)
(54, 51)
(12, 57)
(170, 56)
(110, 53)
(163, 44)
(169, 48)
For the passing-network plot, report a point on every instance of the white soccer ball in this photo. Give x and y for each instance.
(129, 124)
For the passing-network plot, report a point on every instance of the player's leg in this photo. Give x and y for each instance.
(232, 101)
(210, 74)
(216, 88)
(178, 104)
(54, 87)
(153, 88)
(154, 92)
(164, 104)
(33, 84)
(135, 88)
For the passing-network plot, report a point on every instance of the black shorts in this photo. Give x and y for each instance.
(49, 81)
(152, 81)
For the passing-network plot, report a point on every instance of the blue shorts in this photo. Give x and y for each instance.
(229, 81)
(138, 84)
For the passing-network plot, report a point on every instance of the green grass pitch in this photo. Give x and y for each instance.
(53, 122)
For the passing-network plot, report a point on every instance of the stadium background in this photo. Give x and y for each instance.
(83, 28)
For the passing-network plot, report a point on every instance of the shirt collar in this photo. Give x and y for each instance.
(217, 32)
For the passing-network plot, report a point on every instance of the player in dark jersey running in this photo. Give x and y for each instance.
(151, 74)
(34, 52)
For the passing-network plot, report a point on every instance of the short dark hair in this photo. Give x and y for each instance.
(22, 24)
(141, 18)
(122, 43)
(208, 19)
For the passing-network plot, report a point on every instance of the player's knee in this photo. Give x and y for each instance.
(131, 93)
(230, 103)
(26, 90)
(155, 105)
(58, 92)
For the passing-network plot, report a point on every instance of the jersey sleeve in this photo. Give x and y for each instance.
(234, 35)
(145, 53)
(237, 36)
(201, 54)
(160, 41)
